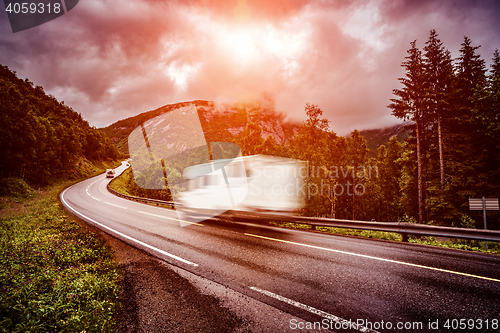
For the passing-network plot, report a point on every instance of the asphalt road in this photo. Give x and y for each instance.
(333, 281)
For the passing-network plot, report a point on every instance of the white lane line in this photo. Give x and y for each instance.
(341, 321)
(377, 258)
(125, 236)
(87, 190)
(170, 218)
(108, 203)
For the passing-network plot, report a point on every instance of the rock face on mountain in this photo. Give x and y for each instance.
(219, 122)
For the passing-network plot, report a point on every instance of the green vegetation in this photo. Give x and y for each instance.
(341, 231)
(15, 187)
(42, 139)
(470, 245)
(125, 184)
(55, 275)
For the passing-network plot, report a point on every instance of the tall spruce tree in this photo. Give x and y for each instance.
(409, 105)
(355, 156)
(469, 137)
(494, 94)
(494, 122)
(438, 73)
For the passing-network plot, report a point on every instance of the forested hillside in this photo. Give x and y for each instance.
(41, 138)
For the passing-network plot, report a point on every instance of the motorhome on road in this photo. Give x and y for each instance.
(245, 184)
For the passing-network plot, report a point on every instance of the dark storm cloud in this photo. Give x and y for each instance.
(81, 57)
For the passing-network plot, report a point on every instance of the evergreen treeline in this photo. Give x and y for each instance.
(41, 138)
(455, 143)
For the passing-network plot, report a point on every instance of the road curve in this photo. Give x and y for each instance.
(333, 282)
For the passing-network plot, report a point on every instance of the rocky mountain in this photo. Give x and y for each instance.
(220, 123)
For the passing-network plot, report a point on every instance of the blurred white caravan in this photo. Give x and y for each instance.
(245, 184)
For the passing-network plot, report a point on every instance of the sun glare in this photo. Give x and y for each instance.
(241, 45)
(250, 44)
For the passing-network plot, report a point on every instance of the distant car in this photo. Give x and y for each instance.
(110, 173)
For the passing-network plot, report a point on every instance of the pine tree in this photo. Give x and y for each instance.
(409, 105)
(494, 122)
(468, 126)
(438, 73)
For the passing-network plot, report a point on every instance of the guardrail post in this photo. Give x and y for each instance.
(404, 237)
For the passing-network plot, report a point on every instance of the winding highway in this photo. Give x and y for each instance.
(337, 283)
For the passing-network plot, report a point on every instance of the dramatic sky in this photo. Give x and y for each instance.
(112, 59)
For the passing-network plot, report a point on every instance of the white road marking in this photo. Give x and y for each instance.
(169, 218)
(318, 312)
(108, 203)
(123, 235)
(377, 258)
(87, 190)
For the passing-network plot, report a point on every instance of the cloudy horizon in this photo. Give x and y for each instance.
(113, 60)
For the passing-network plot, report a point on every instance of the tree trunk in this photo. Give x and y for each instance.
(332, 213)
(441, 160)
(419, 174)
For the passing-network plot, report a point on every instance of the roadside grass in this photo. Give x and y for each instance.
(453, 243)
(470, 245)
(121, 183)
(55, 274)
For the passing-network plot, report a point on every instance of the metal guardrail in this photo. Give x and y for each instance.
(140, 199)
(404, 229)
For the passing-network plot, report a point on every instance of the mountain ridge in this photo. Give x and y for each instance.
(379, 136)
(220, 123)
(225, 122)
